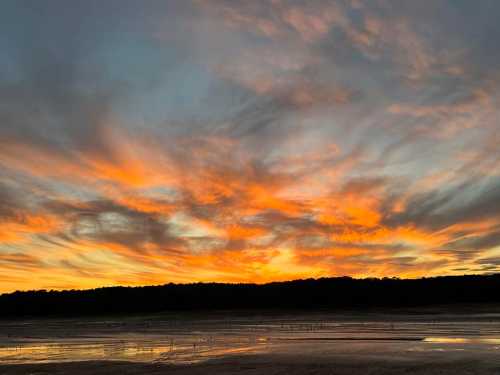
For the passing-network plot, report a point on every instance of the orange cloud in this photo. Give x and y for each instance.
(220, 216)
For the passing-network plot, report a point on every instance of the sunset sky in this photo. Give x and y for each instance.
(146, 142)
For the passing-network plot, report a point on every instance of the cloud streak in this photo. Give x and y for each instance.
(250, 142)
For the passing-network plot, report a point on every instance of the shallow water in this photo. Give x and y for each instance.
(176, 339)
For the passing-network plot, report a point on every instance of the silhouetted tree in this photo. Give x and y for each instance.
(325, 293)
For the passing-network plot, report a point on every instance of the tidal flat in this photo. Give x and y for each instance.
(423, 342)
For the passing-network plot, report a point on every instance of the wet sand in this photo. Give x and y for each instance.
(258, 344)
(274, 364)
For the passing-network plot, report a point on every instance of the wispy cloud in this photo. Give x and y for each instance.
(256, 141)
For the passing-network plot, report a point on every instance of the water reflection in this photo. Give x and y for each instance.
(463, 340)
(194, 341)
(146, 350)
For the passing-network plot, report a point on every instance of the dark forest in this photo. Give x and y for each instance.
(310, 294)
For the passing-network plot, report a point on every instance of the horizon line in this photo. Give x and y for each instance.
(250, 283)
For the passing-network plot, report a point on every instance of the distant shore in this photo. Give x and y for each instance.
(463, 312)
(339, 293)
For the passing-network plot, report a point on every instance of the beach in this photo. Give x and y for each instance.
(256, 343)
(277, 364)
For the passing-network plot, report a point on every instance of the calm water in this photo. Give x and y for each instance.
(177, 339)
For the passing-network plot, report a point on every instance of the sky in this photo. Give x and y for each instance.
(147, 142)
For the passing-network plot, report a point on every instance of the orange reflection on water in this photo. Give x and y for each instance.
(462, 340)
(147, 350)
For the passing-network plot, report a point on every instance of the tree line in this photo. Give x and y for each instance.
(309, 294)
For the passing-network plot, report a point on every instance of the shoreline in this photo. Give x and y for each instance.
(274, 364)
(438, 310)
